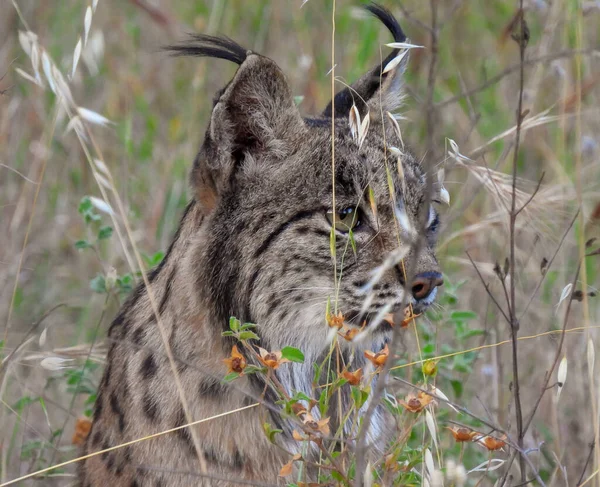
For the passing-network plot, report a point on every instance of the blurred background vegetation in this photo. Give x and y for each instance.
(57, 248)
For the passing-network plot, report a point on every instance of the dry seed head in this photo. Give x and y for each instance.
(354, 121)
(76, 124)
(450, 469)
(55, 363)
(35, 61)
(47, 67)
(394, 62)
(93, 117)
(87, 23)
(396, 127)
(460, 476)
(364, 129)
(62, 86)
(564, 294)
(76, 55)
(358, 128)
(431, 427)
(429, 462)
(403, 45)
(102, 205)
(101, 167)
(437, 479)
(25, 39)
(403, 221)
(43, 335)
(28, 77)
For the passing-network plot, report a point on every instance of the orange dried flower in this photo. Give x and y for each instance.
(83, 427)
(287, 468)
(271, 359)
(236, 362)
(335, 321)
(380, 358)
(349, 333)
(321, 426)
(416, 403)
(491, 443)
(298, 437)
(408, 317)
(353, 378)
(462, 434)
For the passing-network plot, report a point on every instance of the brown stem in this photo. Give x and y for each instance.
(514, 321)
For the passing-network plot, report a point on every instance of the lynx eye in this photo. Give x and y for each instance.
(345, 220)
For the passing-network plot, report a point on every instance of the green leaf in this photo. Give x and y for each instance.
(298, 99)
(323, 402)
(82, 244)
(359, 396)
(98, 284)
(227, 334)
(247, 326)
(157, 258)
(248, 335)
(234, 324)
(457, 386)
(463, 315)
(271, 432)
(104, 233)
(300, 396)
(231, 377)
(85, 205)
(292, 354)
(337, 476)
(472, 333)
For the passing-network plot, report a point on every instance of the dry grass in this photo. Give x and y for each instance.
(160, 106)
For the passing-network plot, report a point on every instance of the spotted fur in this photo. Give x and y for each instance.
(254, 243)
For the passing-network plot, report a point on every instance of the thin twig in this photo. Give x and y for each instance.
(558, 247)
(514, 69)
(488, 289)
(587, 462)
(535, 191)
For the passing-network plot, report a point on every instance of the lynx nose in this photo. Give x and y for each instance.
(424, 284)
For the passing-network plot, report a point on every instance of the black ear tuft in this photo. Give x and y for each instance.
(388, 20)
(366, 87)
(201, 45)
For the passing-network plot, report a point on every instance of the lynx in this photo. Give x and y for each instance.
(255, 243)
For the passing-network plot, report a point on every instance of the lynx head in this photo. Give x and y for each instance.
(263, 178)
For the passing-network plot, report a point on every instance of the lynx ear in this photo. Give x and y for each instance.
(381, 87)
(253, 115)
